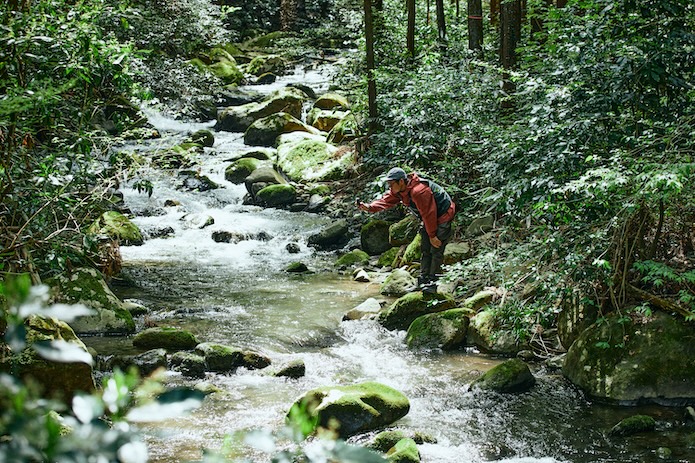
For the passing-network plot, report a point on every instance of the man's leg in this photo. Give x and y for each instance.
(437, 257)
(426, 258)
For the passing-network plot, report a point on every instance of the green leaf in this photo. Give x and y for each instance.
(63, 352)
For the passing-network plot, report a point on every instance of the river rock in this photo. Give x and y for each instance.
(203, 137)
(361, 276)
(240, 169)
(405, 451)
(352, 258)
(374, 237)
(260, 153)
(276, 195)
(146, 363)
(627, 361)
(332, 100)
(403, 231)
(510, 376)
(298, 136)
(296, 267)
(331, 237)
(294, 369)
(484, 334)
(413, 252)
(457, 252)
(444, 330)
(354, 408)
(189, 364)
(57, 379)
(166, 338)
(192, 180)
(633, 425)
(86, 286)
(388, 258)
(368, 309)
(387, 439)
(266, 63)
(237, 97)
(263, 175)
(265, 131)
(398, 283)
(116, 226)
(317, 203)
(406, 309)
(346, 130)
(265, 79)
(240, 118)
(323, 119)
(314, 161)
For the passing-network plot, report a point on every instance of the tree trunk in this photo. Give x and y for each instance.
(410, 34)
(475, 25)
(371, 84)
(441, 22)
(510, 31)
(561, 3)
(288, 14)
(494, 11)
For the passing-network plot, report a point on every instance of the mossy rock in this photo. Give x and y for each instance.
(294, 369)
(385, 440)
(220, 358)
(412, 253)
(354, 408)
(404, 231)
(405, 451)
(264, 64)
(296, 267)
(406, 309)
(398, 283)
(227, 71)
(87, 286)
(240, 118)
(56, 379)
(116, 226)
(387, 258)
(277, 195)
(332, 101)
(325, 120)
(511, 376)
(323, 190)
(267, 40)
(203, 138)
(445, 330)
(166, 338)
(347, 129)
(622, 361)
(633, 425)
(374, 237)
(354, 257)
(486, 336)
(266, 130)
(331, 236)
(240, 169)
(313, 161)
(189, 364)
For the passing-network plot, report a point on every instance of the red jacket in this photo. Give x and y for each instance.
(421, 196)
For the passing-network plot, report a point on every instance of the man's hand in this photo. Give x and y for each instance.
(362, 206)
(436, 242)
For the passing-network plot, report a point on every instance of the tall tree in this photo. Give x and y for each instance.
(410, 34)
(494, 11)
(475, 25)
(510, 32)
(441, 22)
(371, 83)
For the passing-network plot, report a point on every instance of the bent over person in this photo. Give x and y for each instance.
(435, 209)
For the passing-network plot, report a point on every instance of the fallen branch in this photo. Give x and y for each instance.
(660, 303)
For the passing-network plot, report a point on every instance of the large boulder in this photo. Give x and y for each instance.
(57, 379)
(266, 63)
(314, 161)
(355, 408)
(116, 226)
(222, 359)
(405, 451)
(146, 363)
(325, 120)
(577, 313)
(444, 330)
(352, 258)
(511, 376)
(333, 236)
(276, 195)
(239, 170)
(347, 129)
(260, 178)
(630, 361)
(264, 132)
(332, 100)
(240, 118)
(404, 231)
(374, 237)
(398, 283)
(484, 334)
(86, 286)
(406, 309)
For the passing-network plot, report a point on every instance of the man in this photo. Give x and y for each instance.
(435, 209)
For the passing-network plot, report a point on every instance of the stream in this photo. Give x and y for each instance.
(239, 294)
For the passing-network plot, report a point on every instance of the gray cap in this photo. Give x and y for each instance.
(395, 174)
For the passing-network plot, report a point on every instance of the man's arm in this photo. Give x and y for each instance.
(388, 201)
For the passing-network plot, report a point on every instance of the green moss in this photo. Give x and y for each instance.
(404, 231)
(345, 130)
(323, 190)
(277, 195)
(412, 252)
(311, 160)
(446, 329)
(374, 237)
(633, 425)
(267, 40)
(117, 226)
(240, 169)
(407, 308)
(405, 451)
(332, 101)
(166, 338)
(387, 439)
(386, 259)
(510, 376)
(296, 267)
(264, 64)
(227, 71)
(356, 256)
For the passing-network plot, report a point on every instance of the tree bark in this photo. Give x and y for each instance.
(494, 11)
(510, 31)
(410, 34)
(441, 22)
(371, 84)
(475, 25)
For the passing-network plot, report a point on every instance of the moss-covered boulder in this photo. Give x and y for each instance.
(169, 338)
(116, 226)
(511, 376)
(189, 364)
(56, 379)
(374, 237)
(325, 120)
(293, 369)
(354, 257)
(296, 267)
(484, 334)
(240, 169)
(260, 65)
(405, 451)
(261, 177)
(629, 361)
(633, 425)
(412, 253)
(86, 286)
(192, 180)
(398, 283)
(220, 358)
(266, 40)
(406, 309)
(265, 131)
(146, 363)
(227, 71)
(404, 231)
(332, 100)
(331, 236)
(387, 258)
(239, 118)
(354, 408)
(444, 330)
(203, 137)
(314, 161)
(478, 300)
(457, 252)
(346, 130)
(276, 195)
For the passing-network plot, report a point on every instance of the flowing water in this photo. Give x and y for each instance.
(239, 294)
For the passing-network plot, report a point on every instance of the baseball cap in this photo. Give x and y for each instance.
(395, 174)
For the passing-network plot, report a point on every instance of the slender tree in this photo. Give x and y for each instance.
(494, 11)
(510, 32)
(475, 25)
(371, 83)
(410, 34)
(441, 22)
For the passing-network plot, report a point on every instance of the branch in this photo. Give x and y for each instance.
(660, 303)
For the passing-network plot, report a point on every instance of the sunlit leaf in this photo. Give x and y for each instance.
(63, 352)
(87, 407)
